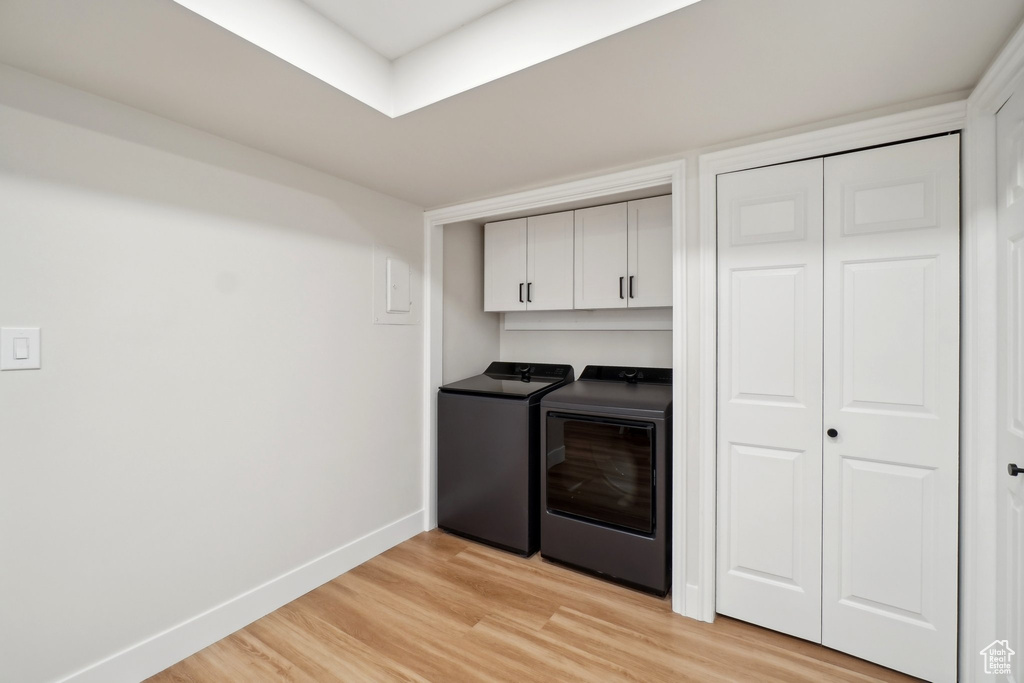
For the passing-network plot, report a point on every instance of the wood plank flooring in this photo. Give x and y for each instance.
(438, 608)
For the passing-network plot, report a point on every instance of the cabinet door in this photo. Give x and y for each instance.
(892, 350)
(600, 246)
(549, 262)
(649, 246)
(505, 265)
(769, 397)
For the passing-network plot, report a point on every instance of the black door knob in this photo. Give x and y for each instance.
(1014, 470)
(832, 432)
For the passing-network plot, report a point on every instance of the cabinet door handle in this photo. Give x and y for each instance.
(520, 292)
(631, 287)
(621, 295)
(529, 292)
(1014, 470)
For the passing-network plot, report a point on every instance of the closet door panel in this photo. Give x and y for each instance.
(889, 367)
(891, 391)
(767, 336)
(769, 405)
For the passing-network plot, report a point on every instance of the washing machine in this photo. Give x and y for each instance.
(488, 453)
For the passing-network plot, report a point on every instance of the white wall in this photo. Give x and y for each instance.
(579, 348)
(470, 335)
(215, 407)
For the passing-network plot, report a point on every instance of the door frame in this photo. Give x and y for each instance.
(980, 473)
(670, 173)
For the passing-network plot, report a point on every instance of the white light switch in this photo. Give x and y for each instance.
(19, 348)
(398, 286)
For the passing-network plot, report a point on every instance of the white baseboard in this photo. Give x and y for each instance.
(178, 642)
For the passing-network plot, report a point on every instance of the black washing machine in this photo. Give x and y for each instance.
(488, 453)
(606, 484)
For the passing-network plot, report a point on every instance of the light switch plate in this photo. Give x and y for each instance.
(397, 287)
(14, 341)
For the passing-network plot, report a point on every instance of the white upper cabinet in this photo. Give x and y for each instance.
(601, 257)
(528, 263)
(624, 255)
(649, 249)
(612, 256)
(549, 263)
(505, 265)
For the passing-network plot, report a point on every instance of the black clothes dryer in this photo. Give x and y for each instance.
(606, 484)
(488, 453)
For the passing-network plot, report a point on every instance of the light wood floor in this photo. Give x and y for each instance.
(437, 608)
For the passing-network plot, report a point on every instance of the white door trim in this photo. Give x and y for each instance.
(929, 121)
(979, 466)
(673, 173)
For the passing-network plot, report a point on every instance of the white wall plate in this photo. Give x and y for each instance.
(395, 277)
(19, 348)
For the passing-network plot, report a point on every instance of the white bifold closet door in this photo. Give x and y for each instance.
(892, 392)
(841, 317)
(769, 397)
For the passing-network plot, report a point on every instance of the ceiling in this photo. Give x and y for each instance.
(393, 28)
(511, 37)
(715, 71)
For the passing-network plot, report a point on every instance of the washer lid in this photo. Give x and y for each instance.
(504, 379)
